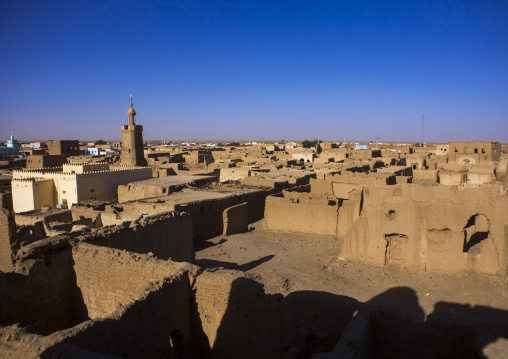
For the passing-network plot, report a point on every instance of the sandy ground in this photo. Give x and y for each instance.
(289, 262)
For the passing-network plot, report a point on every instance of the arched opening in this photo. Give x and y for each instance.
(475, 231)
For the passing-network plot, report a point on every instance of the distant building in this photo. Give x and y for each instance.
(45, 161)
(95, 151)
(10, 148)
(132, 142)
(33, 189)
(66, 147)
(475, 152)
(361, 147)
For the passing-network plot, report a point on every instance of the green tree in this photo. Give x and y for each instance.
(100, 142)
(308, 144)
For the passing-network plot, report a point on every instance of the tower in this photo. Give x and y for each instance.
(132, 142)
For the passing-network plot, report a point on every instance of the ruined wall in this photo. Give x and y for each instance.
(207, 215)
(206, 211)
(260, 181)
(425, 175)
(394, 336)
(52, 215)
(91, 212)
(309, 216)
(140, 304)
(29, 234)
(362, 178)
(236, 219)
(449, 178)
(425, 193)
(45, 161)
(234, 174)
(156, 188)
(166, 236)
(63, 147)
(504, 261)
(42, 295)
(6, 199)
(7, 236)
(234, 318)
(142, 307)
(448, 236)
(148, 300)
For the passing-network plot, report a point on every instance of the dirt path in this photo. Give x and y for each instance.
(288, 262)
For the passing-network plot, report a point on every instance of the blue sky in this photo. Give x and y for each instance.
(254, 70)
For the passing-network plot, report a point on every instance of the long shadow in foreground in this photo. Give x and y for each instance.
(314, 324)
(211, 263)
(204, 244)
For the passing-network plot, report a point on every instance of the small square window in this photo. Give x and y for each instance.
(92, 190)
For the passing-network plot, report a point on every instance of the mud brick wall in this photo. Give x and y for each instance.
(234, 318)
(7, 237)
(449, 236)
(42, 295)
(287, 215)
(394, 336)
(168, 235)
(236, 219)
(145, 300)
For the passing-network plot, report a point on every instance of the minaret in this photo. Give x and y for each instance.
(132, 142)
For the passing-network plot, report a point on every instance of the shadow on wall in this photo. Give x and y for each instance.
(322, 325)
(258, 325)
(47, 300)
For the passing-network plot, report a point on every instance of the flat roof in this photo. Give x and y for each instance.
(171, 181)
(190, 196)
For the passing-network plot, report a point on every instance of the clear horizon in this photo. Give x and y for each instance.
(245, 71)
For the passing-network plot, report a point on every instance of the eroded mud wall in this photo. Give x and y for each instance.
(146, 302)
(166, 236)
(42, 295)
(440, 235)
(316, 216)
(7, 234)
(234, 318)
